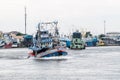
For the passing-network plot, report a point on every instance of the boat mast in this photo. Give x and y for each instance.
(56, 29)
(39, 35)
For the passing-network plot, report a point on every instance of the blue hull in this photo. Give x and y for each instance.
(47, 53)
(56, 54)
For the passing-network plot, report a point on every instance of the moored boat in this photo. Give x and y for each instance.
(77, 42)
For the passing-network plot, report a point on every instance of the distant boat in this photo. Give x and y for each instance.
(47, 44)
(5, 44)
(77, 42)
(66, 41)
(8, 45)
(14, 44)
(2, 43)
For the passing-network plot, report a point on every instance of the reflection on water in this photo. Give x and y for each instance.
(94, 63)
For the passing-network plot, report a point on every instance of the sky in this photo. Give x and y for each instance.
(84, 15)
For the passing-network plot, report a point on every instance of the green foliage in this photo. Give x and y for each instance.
(19, 34)
(0, 36)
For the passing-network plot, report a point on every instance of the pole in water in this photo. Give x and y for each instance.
(25, 19)
(104, 27)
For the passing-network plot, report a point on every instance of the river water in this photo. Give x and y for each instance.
(93, 63)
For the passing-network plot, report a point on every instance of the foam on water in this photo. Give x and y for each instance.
(52, 58)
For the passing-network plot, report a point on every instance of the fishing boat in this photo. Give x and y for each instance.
(2, 43)
(77, 42)
(6, 42)
(46, 42)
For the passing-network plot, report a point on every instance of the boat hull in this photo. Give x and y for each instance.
(49, 53)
